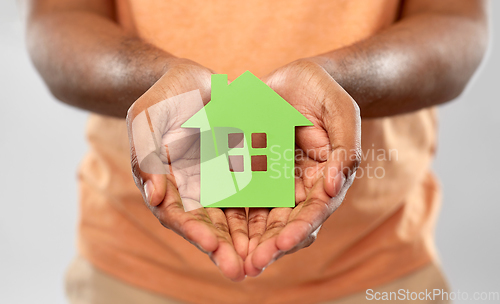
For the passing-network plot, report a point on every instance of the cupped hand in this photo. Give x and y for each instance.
(326, 158)
(165, 165)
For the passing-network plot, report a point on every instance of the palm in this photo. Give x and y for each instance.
(311, 153)
(168, 155)
(181, 158)
(318, 168)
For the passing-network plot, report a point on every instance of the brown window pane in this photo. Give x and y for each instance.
(259, 163)
(259, 140)
(235, 140)
(236, 163)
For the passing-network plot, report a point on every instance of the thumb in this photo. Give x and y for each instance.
(152, 186)
(150, 173)
(342, 122)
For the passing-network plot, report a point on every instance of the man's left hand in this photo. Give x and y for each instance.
(327, 156)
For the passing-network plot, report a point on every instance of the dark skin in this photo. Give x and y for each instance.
(424, 59)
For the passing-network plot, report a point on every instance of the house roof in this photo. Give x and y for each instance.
(245, 103)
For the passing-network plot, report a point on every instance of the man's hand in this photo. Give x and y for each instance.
(327, 156)
(169, 176)
(426, 58)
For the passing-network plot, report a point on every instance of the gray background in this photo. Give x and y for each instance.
(42, 143)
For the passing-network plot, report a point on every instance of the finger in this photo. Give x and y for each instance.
(228, 262)
(342, 122)
(205, 228)
(267, 251)
(300, 190)
(148, 169)
(306, 242)
(225, 256)
(195, 226)
(264, 255)
(152, 186)
(306, 218)
(238, 228)
(257, 220)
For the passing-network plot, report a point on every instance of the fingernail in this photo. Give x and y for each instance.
(338, 183)
(275, 256)
(215, 262)
(149, 189)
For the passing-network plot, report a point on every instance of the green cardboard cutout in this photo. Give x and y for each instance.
(247, 145)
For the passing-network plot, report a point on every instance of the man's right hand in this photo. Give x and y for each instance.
(169, 177)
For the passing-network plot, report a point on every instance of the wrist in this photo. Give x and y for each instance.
(173, 76)
(333, 64)
(338, 64)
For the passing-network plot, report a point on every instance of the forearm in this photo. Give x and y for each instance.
(88, 61)
(423, 60)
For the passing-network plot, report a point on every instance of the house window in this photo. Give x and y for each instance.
(236, 163)
(235, 140)
(259, 163)
(259, 140)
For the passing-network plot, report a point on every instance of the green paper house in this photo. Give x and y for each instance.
(247, 145)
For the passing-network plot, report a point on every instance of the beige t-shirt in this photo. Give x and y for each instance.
(383, 230)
